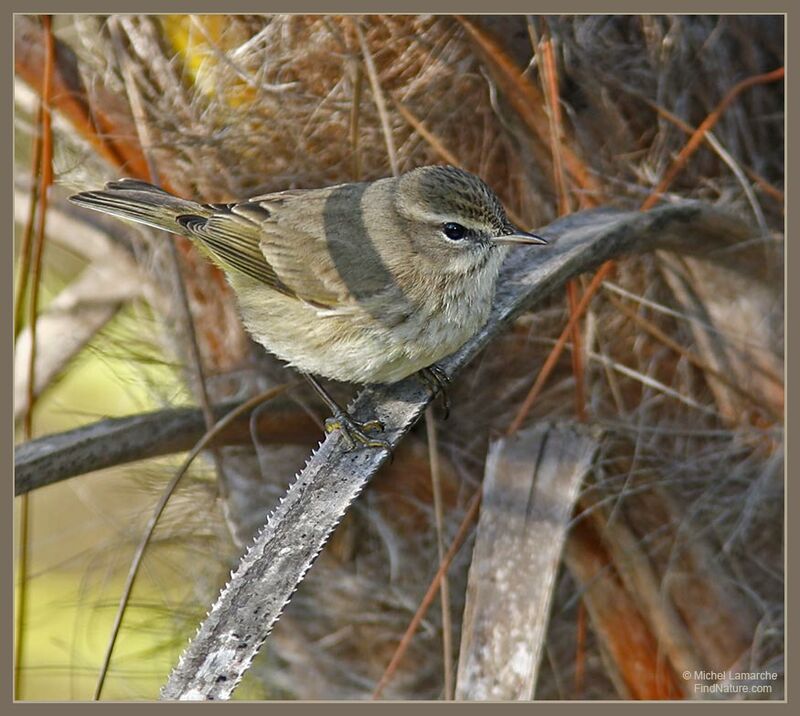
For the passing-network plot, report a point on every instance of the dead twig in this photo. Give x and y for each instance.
(527, 100)
(551, 93)
(24, 263)
(378, 96)
(697, 138)
(695, 360)
(552, 357)
(458, 540)
(45, 181)
(436, 484)
(117, 441)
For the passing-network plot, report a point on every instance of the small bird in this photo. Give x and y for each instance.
(363, 282)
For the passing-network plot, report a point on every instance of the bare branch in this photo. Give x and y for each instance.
(530, 488)
(116, 441)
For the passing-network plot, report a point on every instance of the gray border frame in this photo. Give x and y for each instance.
(792, 18)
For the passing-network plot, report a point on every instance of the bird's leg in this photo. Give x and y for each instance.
(438, 381)
(353, 430)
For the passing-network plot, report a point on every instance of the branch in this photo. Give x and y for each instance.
(530, 488)
(273, 567)
(117, 441)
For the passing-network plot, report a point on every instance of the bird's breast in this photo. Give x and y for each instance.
(380, 339)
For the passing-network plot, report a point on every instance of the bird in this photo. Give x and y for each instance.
(361, 282)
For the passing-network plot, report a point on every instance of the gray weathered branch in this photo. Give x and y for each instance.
(530, 488)
(116, 441)
(275, 564)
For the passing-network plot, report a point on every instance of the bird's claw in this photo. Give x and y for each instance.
(355, 432)
(437, 381)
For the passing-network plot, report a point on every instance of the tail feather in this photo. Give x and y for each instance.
(141, 202)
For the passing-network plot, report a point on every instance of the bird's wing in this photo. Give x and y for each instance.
(233, 242)
(320, 242)
(309, 245)
(250, 238)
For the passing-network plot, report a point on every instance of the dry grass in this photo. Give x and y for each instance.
(237, 106)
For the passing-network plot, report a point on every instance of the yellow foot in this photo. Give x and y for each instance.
(356, 432)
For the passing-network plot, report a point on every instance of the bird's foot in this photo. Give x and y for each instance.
(352, 430)
(438, 381)
(356, 432)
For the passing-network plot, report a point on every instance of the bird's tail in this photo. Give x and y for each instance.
(142, 202)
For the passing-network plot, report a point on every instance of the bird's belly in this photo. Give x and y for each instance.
(354, 346)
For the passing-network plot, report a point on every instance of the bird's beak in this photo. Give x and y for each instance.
(518, 236)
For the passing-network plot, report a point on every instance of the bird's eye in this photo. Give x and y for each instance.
(453, 231)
